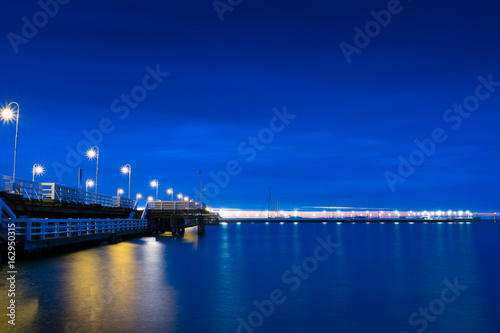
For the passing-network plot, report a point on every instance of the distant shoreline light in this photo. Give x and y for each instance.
(243, 213)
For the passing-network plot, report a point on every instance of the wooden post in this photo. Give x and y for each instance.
(28, 230)
(201, 225)
(173, 225)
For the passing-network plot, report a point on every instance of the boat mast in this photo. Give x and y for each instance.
(269, 203)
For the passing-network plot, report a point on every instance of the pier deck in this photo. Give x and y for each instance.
(175, 216)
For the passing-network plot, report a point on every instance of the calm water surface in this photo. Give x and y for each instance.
(375, 278)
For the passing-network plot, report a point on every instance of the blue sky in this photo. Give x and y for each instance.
(352, 120)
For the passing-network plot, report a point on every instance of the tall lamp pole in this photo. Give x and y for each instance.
(201, 188)
(8, 114)
(127, 169)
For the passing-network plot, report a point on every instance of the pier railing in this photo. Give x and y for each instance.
(62, 193)
(26, 188)
(175, 205)
(44, 229)
(5, 211)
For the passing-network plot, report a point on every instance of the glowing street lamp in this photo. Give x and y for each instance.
(186, 198)
(37, 170)
(138, 196)
(89, 183)
(7, 115)
(150, 198)
(171, 192)
(119, 192)
(91, 154)
(180, 196)
(154, 183)
(127, 169)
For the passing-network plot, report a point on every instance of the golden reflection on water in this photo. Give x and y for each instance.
(191, 236)
(98, 290)
(99, 283)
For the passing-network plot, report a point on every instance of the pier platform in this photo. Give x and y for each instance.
(175, 216)
(68, 217)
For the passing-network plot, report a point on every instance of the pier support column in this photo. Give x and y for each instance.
(173, 225)
(181, 225)
(201, 225)
(151, 225)
(163, 225)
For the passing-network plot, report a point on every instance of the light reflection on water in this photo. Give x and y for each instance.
(374, 281)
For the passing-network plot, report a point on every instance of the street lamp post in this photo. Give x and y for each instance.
(91, 154)
(89, 183)
(118, 199)
(127, 169)
(171, 192)
(201, 187)
(37, 170)
(154, 183)
(7, 115)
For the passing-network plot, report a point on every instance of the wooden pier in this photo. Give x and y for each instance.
(47, 215)
(175, 216)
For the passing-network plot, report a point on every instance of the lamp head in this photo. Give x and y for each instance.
(91, 154)
(38, 169)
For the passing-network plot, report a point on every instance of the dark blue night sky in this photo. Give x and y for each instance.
(343, 131)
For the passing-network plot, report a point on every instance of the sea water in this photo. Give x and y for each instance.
(305, 277)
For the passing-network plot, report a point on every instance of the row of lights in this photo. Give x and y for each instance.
(339, 213)
(7, 115)
(89, 183)
(155, 184)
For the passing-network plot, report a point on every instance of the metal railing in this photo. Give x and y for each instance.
(42, 229)
(5, 211)
(123, 202)
(26, 188)
(62, 193)
(175, 205)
